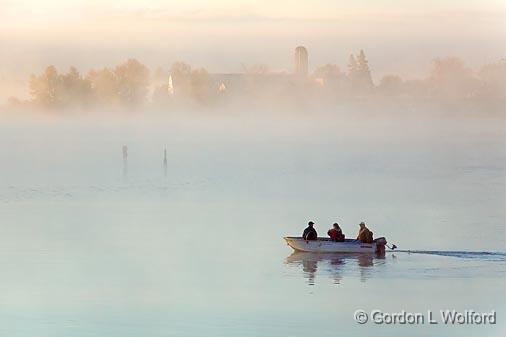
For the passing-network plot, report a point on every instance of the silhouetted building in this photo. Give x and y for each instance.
(170, 87)
(222, 87)
(251, 84)
(301, 61)
(274, 84)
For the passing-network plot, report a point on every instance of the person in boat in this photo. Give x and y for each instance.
(364, 234)
(335, 233)
(310, 233)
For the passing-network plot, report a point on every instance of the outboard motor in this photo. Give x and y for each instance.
(380, 245)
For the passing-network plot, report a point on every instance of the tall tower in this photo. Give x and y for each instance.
(170, 87)
(300, 61)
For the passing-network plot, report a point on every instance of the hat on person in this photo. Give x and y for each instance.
(310, 223)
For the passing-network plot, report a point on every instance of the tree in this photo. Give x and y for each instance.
(132, 79)
(391, 85)
(104, 86)
(190, 83)
(493, 78)
(200, 84)
(327, 72)
(74, 89)
(51, 89)
(450, 78)
(359, 73)
(329, 76)
(43, 88)
(14, 102)
(363, 73)
(160, 74)
(181, 73)
(352, 67)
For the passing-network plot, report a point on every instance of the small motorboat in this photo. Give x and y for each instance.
(326, 245)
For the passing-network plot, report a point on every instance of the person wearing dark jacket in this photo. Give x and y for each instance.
(310, 233)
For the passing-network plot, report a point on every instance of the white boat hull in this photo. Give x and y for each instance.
(323, 245)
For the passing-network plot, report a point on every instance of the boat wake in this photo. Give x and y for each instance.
(478, 255)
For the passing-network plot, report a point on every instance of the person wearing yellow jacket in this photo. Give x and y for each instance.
(364, 234)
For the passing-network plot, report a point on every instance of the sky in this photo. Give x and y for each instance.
(35, 10)
(400, 37)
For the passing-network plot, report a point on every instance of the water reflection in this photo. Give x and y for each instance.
(335, 265)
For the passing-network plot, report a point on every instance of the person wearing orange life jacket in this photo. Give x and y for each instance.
(335, 233)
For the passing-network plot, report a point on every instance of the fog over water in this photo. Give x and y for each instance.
(222, 36)
(88, 251)
(270, 114)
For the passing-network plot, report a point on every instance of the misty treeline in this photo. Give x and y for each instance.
(449, 79)
(127, 85)
(132, 84)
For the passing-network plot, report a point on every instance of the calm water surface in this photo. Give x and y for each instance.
(88, 252)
